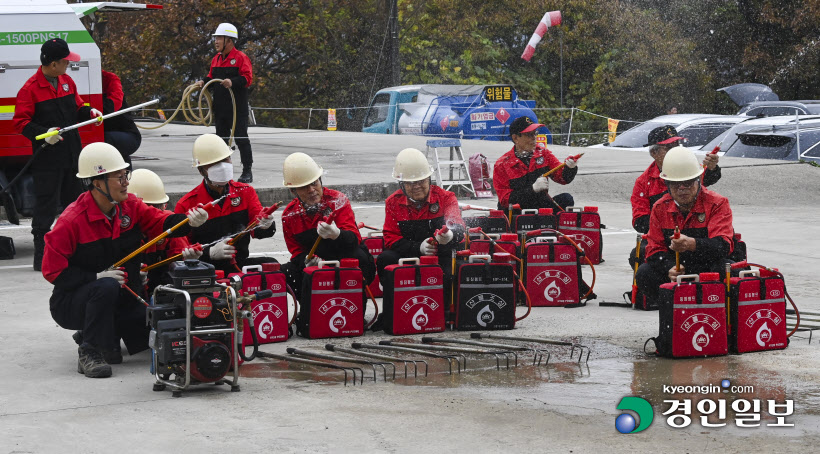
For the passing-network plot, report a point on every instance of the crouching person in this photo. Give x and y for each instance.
(703, 217)
(318, 212)
(102, 226)
(415, 212)
(240, 207)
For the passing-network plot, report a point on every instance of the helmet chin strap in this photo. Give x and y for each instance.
(106, 194)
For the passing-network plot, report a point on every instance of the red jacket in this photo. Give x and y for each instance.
(513, 179)
(84, 242)
(235, 212)
(237, 67)
(40, 107)
(299, 227)
(709, 222)
(649, 188)
(406, 227)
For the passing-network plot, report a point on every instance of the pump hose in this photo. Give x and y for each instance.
(372, 298)
(197, 117)
(255, 342)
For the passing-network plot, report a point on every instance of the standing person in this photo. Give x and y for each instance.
(517, 175)
(705, 221)
(49, 101)
(234, 68)
(104, 225)
(303, 222)
(148, 187)
(240, 207)
(120, 131)
(414, 213)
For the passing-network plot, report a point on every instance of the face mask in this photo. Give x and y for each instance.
(221, 173)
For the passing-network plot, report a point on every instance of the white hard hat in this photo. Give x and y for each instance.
(147, 185)
(99, 158)
(300, 170)
(226, 29)
(411, 165)
(210, 148)
(680, 164)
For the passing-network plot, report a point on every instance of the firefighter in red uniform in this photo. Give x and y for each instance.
(517, 175)
(234, 68)
(148, 187)
(101, 227)
(415, 212)
(212, 158)
(49, 101)
(649, 187)
(303, 222)
(120, 131)
(704, 218)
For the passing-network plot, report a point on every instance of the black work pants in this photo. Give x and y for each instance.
(104, 312)
(223, 124)
(53, 188)
(127, 143)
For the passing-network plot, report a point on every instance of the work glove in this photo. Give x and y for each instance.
(571, 163)
(427, 247)
(312, 262)
(95, 114)
(118, 273)
(445, 238)
(143, 275)
(55, 138)
(197, 216)
(190, 253)
(222, 251)
(265, 222)
(327, 231)
(542, 184)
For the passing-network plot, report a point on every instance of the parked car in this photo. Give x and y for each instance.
(772, 138)
(697, 129)
(778, 108)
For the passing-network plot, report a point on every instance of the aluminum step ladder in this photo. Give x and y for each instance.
(452, 171)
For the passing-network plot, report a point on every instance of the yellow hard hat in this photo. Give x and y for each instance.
(300, 170)
(680, 164)
(99, 158)
(210, 148)
(147, 185)
(411, 165)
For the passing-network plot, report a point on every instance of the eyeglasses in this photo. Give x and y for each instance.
(123, 177)
(682, 184)
(410, 184)
(530, 134)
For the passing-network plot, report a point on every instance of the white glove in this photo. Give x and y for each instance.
(265, 222)
(570, 163)
(427, 247)
(328, 231)
(190, 253)
(143, 275)
(118, 274)
(95, 114)
(197, 216)
(542, 184)
(55, 138)
(222, 251)
(445, 238)
(312, 262)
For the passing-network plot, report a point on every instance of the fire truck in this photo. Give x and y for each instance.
(24, 26)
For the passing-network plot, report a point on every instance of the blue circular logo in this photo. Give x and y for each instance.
(625, 423)
(725, 383)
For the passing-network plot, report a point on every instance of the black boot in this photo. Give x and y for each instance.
(247, 176)
(92, 364)
(39, 247)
